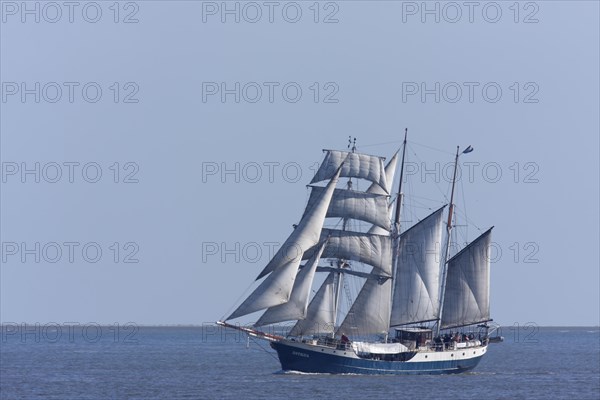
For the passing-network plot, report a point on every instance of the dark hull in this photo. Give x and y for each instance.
(293, 358)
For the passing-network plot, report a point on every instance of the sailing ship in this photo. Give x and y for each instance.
(418, 310)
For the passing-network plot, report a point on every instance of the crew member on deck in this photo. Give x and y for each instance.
(345, 338)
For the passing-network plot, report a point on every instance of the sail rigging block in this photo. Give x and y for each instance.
(355, 165)
(467, 298)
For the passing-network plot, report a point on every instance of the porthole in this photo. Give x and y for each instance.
(463, 354)
(425, 356)
(473, 352)
(451, 355)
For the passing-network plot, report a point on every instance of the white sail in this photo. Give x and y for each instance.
(320, 314)
(390, 169)
(467, 297)
(370, 313)
(416, 288)
(274, 290)
(355, 165)
(363, 206)
(377, 230)
(375, 250)
(307, 233)
(296, 307)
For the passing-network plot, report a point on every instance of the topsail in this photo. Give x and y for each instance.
(368, 248)
(353, 204)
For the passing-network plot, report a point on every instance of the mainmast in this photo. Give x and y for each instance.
(399, 198)
(448, 232)
(396, 225)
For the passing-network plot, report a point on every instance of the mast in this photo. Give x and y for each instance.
(342, 263)
(399, 198)
(396, 225)
(448, 232)
(370, 311)
(336, 301)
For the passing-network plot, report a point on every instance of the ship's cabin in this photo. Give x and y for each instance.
(413, 337)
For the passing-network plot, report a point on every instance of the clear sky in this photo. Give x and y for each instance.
(206, 132)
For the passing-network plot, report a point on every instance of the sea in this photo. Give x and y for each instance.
(89, 361)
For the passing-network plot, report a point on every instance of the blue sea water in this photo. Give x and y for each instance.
(128, 362)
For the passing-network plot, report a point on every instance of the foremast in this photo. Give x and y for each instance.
(282, 293)
(339, 273)
(369, 311)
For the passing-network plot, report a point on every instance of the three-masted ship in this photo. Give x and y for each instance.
(417, 311)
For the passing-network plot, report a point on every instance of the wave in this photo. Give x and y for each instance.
(291, 372)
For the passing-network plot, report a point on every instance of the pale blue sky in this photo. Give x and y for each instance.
(370, 59)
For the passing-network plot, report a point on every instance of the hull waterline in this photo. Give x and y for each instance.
(316, 359)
